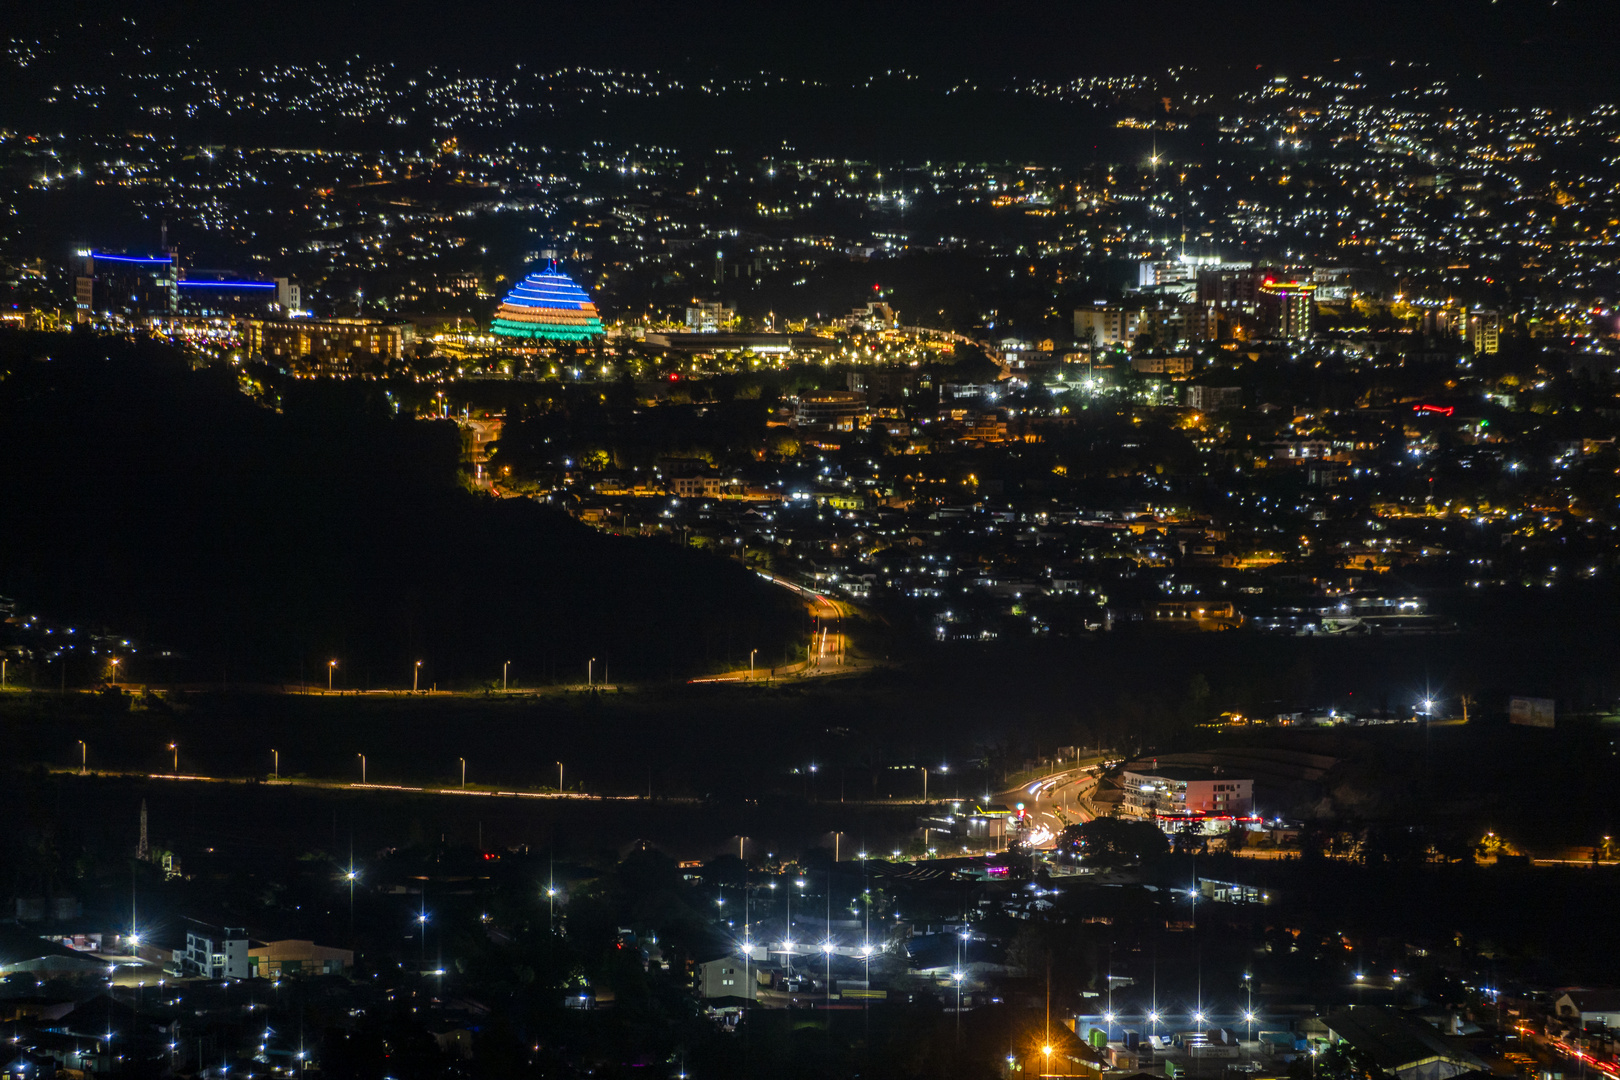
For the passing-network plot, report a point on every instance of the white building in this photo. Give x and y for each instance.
(1589, 1007)
(216, 952)
(1177, 794)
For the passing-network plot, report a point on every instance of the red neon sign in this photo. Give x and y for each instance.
(1443, 410)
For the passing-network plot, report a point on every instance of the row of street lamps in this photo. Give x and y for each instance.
(416, 674)
(275, 763)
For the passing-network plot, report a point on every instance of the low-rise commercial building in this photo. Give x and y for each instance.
(275, 959)
(830, 410)
(728, 977)
(1397, 1046)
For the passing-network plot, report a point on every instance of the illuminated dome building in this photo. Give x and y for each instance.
(548, 307)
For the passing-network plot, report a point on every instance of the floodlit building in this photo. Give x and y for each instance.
(216, 952)
(341, 347)
(729, 977)
(274, 959)
(1397, 1046)
(1107, 324)
(1178, 793)
(1163, 365)
(830, 410)
(709, 316)
(1287, 309)
(702, 487)
(1484, 332)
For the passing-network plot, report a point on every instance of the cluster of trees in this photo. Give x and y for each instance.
(1114, 842)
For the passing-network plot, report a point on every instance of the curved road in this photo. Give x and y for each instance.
(828, 647)
(1056, 800)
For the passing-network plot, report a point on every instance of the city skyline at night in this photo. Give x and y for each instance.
(830, 541)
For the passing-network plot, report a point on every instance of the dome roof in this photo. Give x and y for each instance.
(548, 306)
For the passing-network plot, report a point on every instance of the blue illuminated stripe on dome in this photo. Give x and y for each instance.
(548, 289)
(547, 305)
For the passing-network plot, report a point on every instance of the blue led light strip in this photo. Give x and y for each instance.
(227, 284)
(131, 259)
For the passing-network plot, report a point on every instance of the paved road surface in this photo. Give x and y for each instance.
(829, 646)
(1054, 801)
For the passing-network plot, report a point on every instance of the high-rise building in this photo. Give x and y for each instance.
(128, 288)
(1172, 325)
(1106, 324)
(1484, 332)
(1230, 286)
(1287, 309)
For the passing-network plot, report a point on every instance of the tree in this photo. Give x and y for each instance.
(1115, 841)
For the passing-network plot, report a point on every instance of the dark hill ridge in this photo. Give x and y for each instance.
(162, 503)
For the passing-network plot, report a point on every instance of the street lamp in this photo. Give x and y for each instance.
(463, 774)
(751, 654)
(957, 975)
(1248, 1016)
(416, 676)
(590, 673)
(351, 876)
(114, 663)
(275, 767)
(559, 778)
(84, 757)
(362, 758)
(504, 668)
(331, 665)
(175, 749)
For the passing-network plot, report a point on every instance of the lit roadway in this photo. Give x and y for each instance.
(1555, 1045)
(1056, 800)
(829, 646)
(343, 785)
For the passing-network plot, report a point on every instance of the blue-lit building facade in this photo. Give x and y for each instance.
(133, 289)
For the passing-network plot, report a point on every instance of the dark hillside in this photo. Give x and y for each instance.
(158, 502)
